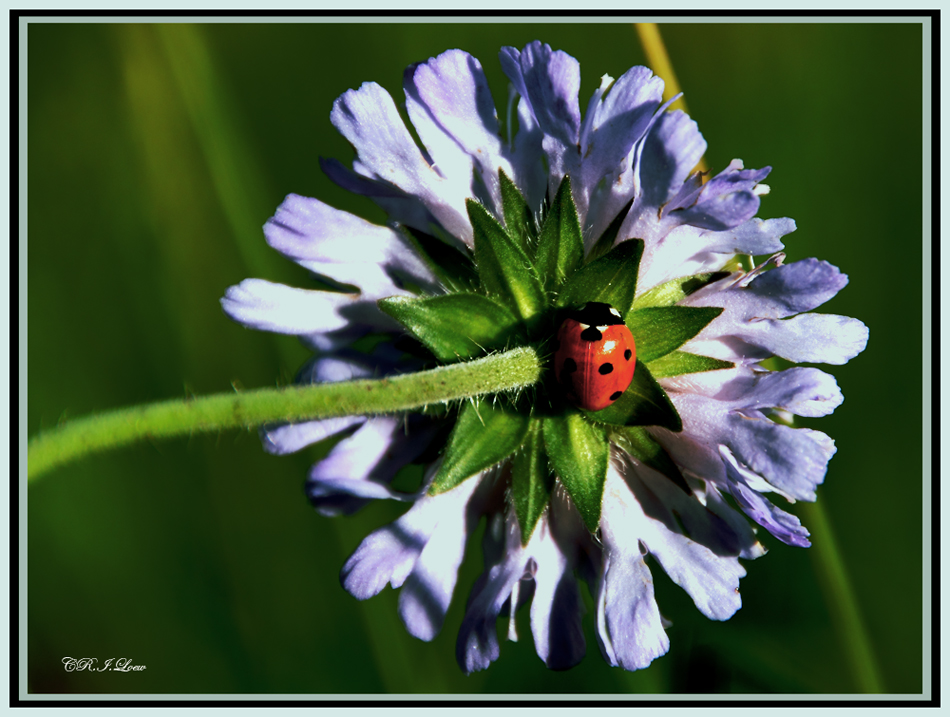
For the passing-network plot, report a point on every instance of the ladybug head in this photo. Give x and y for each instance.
(596, 313)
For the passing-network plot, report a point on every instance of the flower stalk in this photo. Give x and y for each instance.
(510, 370)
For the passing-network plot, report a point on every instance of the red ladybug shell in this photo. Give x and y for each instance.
(595, 356)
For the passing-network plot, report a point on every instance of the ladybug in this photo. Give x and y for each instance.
(594, 356)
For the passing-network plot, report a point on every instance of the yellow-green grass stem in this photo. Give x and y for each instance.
(70, 441)
(659, 62)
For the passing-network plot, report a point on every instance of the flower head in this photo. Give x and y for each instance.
(493, 242)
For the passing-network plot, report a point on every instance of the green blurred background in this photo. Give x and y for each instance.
(156, 152)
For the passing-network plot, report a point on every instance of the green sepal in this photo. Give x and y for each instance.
(560, 247)
(531, 481)
(503, 267)
(611, 279)
(454, 268)
(644, 403)
(674, 291)
(454, 326)
(607, 239)
(663, 329)
(579, 453)
(518, 218)
(482, 436)
(680, 362)
(642, 446)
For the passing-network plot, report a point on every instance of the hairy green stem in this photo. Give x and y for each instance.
(513, 369)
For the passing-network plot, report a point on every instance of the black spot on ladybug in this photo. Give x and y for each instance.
(605, 368)
(591, 333)
(568, 369)
(615, 395)
(627, 354)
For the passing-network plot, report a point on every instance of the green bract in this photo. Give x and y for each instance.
(532, 479)
(560, 247)
(579, 453)
(483, 436)
(611, 279)
(668, 327)
(435, 322)
(640, 444)
(505, 271)
(514, 290)
(644, 403)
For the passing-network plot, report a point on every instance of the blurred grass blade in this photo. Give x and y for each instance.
(841, 600)
(234, 173)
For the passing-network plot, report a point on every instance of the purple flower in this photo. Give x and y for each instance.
(491, 238)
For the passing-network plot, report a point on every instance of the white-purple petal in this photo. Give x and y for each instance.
(368, 118)
(799, 390)
(754, 237)
(371, 452)
(725, 201)
(331, 497)
(612, 127)
(691, 451)
(784, 291)
(359, 468)
(556, 607)
(303, 228)
(802, 391)
(673, 253)
(619, 120)
(264, 305)
(451, 107)
(606, 81)
(526, 156)
(714, 501)
(267, 306)
(810, 338)
(792, 461)
(795, 288)
(346, 248)
(753, 324)
(426, 593)
(629, 630)
(292, 437)
(401, 207)
(550, 80)
(477, 645)
(711, 579)
(389, 554)
(784, 526)
(661, 500)
(662, 164)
